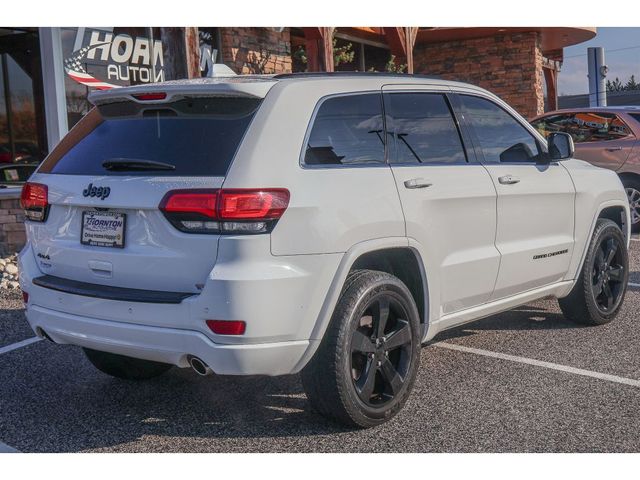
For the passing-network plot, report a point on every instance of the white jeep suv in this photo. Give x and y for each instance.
(326, 224)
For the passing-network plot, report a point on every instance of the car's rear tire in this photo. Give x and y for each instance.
(597, 296)
(632, 189)
(127, 368)
(364, 369)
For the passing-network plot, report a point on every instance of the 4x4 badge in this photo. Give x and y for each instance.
(100, 192)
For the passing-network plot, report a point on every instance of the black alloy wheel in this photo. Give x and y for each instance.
(365, 367)
(598, 293)
(381, 351)
(608, 275)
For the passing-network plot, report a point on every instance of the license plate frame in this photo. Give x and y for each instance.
(92, 237)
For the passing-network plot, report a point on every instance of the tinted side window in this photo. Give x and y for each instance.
(596, 127)
(421, 129)
(347, 130)
(502, 138)
(552, 123)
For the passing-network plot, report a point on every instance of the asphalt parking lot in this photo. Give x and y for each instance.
(522, 381)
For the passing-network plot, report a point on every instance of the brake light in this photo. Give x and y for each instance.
(35, 201)
(25, 297)
(201, 202)
(150, 96)
(227, 327)
(253, 204)
(233, 211)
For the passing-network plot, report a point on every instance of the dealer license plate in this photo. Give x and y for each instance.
(103, 229)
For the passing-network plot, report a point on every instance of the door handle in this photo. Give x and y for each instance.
(508, 180)
(417, 183)
(613, 149)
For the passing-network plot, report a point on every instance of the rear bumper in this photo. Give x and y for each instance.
(279, 298)
(167, 345)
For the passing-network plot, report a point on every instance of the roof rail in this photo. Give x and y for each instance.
(282, 76)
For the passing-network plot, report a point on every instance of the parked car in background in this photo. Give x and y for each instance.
(17, 162)
(24, 151)
(16, 173)
(606, 137)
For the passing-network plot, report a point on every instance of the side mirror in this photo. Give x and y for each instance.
(560, 146)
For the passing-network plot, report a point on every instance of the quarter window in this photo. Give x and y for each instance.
(502, 138)
(421, 129)
(348, 130)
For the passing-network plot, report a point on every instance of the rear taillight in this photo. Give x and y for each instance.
(232, 211)
(25, 297)
(227, 327)
(252, 204)
(35, 201)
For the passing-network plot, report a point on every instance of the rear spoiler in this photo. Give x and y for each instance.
(164, 92)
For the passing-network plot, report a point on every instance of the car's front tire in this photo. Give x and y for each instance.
(597, 296)
(364, 369)
(123, 367)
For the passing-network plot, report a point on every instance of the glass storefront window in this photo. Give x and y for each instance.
(103, 58)
(209, 40)
(22, 110)
(4, 123)
(22, 131)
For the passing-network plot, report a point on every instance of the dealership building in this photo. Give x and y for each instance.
(47, 73)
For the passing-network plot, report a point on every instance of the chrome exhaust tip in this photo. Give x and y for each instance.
(199, 366)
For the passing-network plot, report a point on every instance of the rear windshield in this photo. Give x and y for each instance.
(197, 137)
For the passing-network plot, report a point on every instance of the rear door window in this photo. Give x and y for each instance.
(347, 130)
(422, 130)
(198, 137)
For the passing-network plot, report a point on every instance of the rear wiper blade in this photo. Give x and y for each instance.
(135, 164)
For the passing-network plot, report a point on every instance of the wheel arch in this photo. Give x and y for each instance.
(372, 254)
(405, 264)
(631, 179)
(617, 214)
(614, 210)
(629, 175)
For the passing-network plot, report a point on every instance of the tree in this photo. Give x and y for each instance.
(393, 67)
(342, 54)
(618, 86)
(631, 84)
(615, 86)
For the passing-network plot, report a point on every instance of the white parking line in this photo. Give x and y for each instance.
(15, 346)
(4, 448)
(539, 363)
(633, 284)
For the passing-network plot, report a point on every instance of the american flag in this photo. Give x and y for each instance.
(76, 70)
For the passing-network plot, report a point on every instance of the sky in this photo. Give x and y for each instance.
(622, 63)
